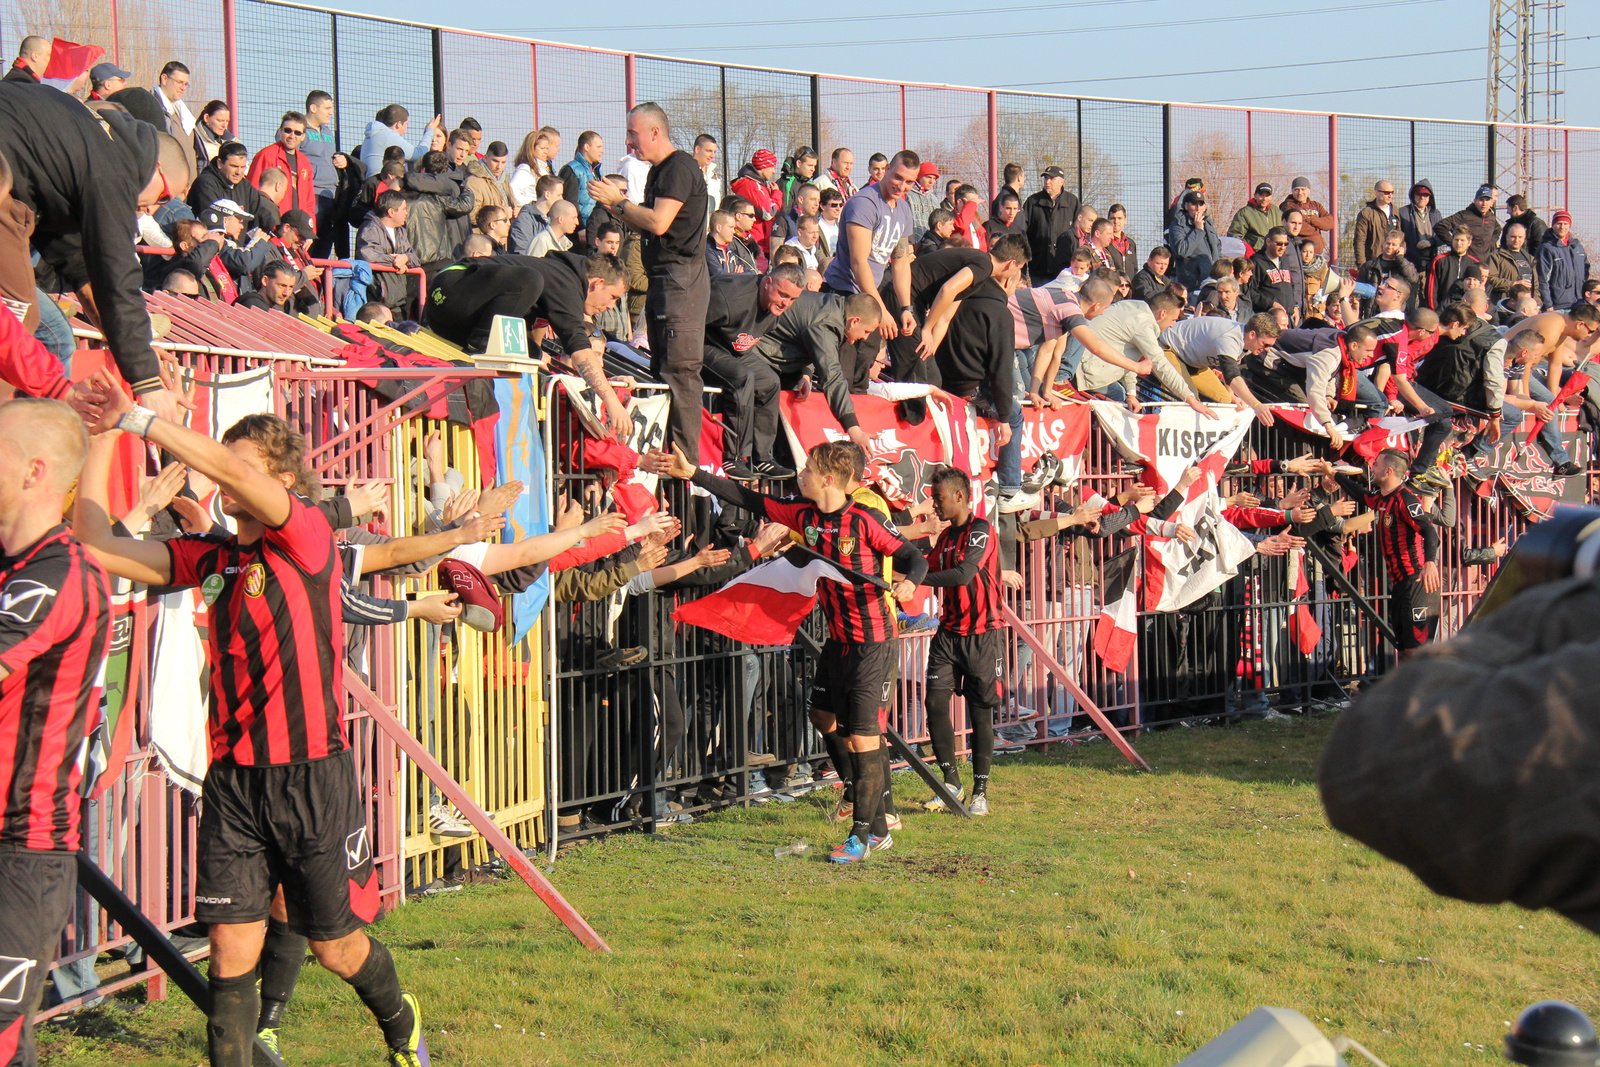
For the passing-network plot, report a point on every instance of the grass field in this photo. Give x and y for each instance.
(1097, 917)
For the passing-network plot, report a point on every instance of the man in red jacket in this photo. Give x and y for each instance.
(755, 183)
(285, 154)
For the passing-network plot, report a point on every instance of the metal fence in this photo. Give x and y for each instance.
(1133, 152)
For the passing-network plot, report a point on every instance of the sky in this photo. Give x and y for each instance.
(1414, 58)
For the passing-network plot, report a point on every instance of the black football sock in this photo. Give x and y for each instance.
(843, 761)
(282, 956)
(980, 785)
(231, 1029)
(869, 794)
(982, 739)
(378, 986)
(942, 732)
(880, 824)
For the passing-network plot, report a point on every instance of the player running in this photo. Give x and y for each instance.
(966, 656)
(55, 614)
(281, 803)
(856, 672)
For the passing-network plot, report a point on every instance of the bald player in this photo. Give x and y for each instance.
(55, 616)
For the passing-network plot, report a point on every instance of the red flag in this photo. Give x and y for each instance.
(763, 606)
(1302, 624)
(1573, 384)
(1115, 632)
(69, 61)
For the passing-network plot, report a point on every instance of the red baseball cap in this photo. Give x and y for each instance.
(927, 169)
(481, 606)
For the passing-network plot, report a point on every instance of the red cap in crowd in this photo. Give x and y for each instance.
(481, 607)
(1560, 215)
(927, 169)
(763, 159)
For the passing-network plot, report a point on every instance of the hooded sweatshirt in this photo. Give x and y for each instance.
(379, 137)
(1418, 225)
(768, 201)
(1483, 226)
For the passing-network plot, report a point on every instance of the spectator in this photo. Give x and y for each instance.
(440, 217)
(383, 242)
(293, 243)
(1591, 291)
(1563, 263)
(534, 217)
(1317, 219)
(1220, 297)
(1048, 216)
(799, 169)
(670, 222)
(705, 154)
(556, 237)
(326, 161)
(1514, 262)
(877, 164)
(241, 250)
(483, 178)
(180, 282)
(837, 175)
(875, 223)
(389, 127)
(532, 163)
(1132, 328)
(807, 201)
(1389, 263)
(636, 173)
(584, 168)
(969, 232)
(1374, 222)
(211, 132)
(920, 198)
(300, 191)
(1174, 209)
(1450, 269)
(1518, 211)
(1152, 277)
(1082, 228)
(494, 222)
(830, 210)
(744, 222)
(1277, 283)
(1207, 352)
(276, 292)
(756, 185)
(228, 179)
(1477, 218)
(607, 240)
(809, 233)
(1418, 220)
(105, 79)
(33, 56)
(1123, 251)
(171, 86)
(1193, 241)
(949, 201)
(1006, 219)
(1259, 215)
(939, 234)
(1011, 180)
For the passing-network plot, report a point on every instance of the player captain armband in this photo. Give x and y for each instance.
(137, 420)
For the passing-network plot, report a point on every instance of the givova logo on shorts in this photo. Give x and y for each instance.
(357, 850)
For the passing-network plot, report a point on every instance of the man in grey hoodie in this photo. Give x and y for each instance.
(389, 128)
(320, 148)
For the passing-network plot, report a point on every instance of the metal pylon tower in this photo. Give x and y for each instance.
(1527, 59)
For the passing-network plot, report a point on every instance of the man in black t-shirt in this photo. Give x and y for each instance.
(671, 225)
(939, 281)
(742, 308)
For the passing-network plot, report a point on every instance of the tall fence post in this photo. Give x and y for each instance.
(1081, 196)
(1413, 125)
(904, 143)
(1566, 170)
(722, 74)
(116, 46)
(438, 72)
(230, 60)
(1166, 162)
(816, 117)
(1494, 170)
(1249, 154)
(994, 144)
(333, 54)
(627, 81)
(1333, 186)
(533, 60)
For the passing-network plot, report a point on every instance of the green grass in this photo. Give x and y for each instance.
(1099, 916)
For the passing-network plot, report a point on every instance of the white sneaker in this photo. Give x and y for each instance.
(443, 820)
(1018, 501)
(979, 805)
(938, 804)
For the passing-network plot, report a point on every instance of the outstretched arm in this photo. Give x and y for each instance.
(126, 557)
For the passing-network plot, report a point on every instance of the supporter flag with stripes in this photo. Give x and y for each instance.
(1114, 632)
(1168, 438)
(763, 606)
(1303, 626)
(69, 61)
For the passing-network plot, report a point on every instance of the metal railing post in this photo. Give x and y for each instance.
(1166, 158)
(816, 115)
(1494, 171)
(1333, 186)
(438, 72)
(333, 59)
(1080, 149)
(230, 60)
(994, 144)
(629, 93)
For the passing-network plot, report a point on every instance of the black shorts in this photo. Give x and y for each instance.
(37, 891)
(972, 665)
(856, 683)
(1413, 613)
(301, 826)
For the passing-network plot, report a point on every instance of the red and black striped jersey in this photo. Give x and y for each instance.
(965, 566)
(1406, 536)
(275, 639)
(55, 625)
(857, 538)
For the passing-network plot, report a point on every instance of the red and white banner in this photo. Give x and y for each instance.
(1170, 438)
(763, 606)
(1115, 633)
(1176, 572)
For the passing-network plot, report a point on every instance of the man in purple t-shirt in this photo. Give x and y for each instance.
(875, 222)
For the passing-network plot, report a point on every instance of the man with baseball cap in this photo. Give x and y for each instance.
(1259, 214)
(1174, 209)
(1478, 219)
(243, 250)
(757, 183)
(1563, 263)
(105, 79)
(1048, 216)
(1193, 240)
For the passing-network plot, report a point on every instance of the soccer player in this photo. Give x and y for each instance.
(1410, 546)
(281, 799)
(966, 655)
(856, 672)
(55, 614)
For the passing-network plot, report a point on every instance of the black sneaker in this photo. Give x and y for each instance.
(1567, 470)
(614, 659)
(768, 469)
(738, 472)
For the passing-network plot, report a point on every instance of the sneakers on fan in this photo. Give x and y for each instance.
(845, 812)
(1021, 500)
(415, 1051)
(446, 822)
(852, 851)
(938, 804)
(1567, 470)
(738, 472)
(880, 844)
(979, 805)
(768, 469)
(1044, 473)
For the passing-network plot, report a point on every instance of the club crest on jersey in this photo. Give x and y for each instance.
(743, 343)
(255, 579)
(847, 545)
(812, 533)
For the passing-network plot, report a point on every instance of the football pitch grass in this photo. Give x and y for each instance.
(1099, 916)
